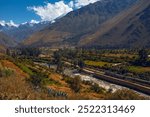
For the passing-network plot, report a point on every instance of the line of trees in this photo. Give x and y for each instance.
(28, 52)
(142, 59)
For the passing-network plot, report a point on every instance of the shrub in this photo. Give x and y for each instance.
(38, 78)
(87, 82)
(124, 95)
(1, 75)
(96, 88)
(6, 72)
(75, 84)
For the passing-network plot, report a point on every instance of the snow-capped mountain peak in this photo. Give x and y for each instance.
(23, 30)
(2, 23)
(8, 24)
(31, 23)
(34, 22)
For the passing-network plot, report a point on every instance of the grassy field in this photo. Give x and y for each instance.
(119, 55)
(97, 64)
(25, 68)
(135, 69)
(138, 69)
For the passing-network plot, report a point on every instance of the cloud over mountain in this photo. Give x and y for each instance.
(49, 12)
(81, 3)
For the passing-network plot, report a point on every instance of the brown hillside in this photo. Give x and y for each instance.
(14, 85)
(70, 29)
(6, 41)
(130, 28)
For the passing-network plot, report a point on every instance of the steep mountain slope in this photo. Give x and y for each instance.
(6, 41)
(23, 31)
(5, 27)
(69, 30)
(129, 29)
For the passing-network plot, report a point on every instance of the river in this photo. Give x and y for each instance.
(74, 72)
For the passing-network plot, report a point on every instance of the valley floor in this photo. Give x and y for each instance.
(22, 79)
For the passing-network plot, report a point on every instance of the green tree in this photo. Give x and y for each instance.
(8, 52)
(143, 58)
(30, 52)
(57, 57)
(75, 84)
(81, 63)
(60, 67)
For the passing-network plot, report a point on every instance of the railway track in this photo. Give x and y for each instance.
(143, 88)
(137, 85)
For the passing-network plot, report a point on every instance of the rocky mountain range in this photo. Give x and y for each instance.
(104, 24)
(75, 28)
(22, 31)
(6, 41)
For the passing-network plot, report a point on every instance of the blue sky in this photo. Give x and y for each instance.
(21, 11)
(16, 10)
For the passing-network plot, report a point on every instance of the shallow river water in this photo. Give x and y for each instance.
(73, 72)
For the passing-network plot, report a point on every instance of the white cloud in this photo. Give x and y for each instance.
(49, 12)
(81, 3)
(71, 4)
(10, 23)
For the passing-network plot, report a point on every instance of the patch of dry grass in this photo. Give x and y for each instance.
(16, 86)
